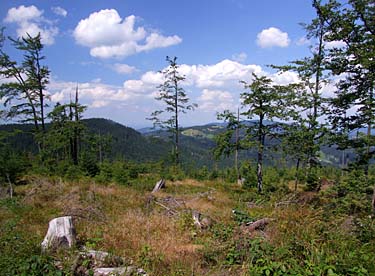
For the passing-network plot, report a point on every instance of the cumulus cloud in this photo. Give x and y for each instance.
(108, 35)
(285, 78)
(335, 44)
(222, 74)
(59, 11)
(123, 68)
(215, 100)
(30, 20)
(88, 92)
(214, 87)
(272, 37)
(211, 86)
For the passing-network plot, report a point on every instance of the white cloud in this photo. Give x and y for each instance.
(335, 44)
(30, 21)
(241, 57)
(99, 103)
(215, 100)
(156, 40)
(22, 13)
(222, 74)
(108, 35)
(272, 37)
(214, 87)
(59, 11)
(285, 78)
(123, 68)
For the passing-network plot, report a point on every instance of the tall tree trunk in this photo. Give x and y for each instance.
(40, 91)
(260, 154)
(10, 186)
(296, 176)
(76, 131)
(177, 161)
(72, 137)
(237, 146)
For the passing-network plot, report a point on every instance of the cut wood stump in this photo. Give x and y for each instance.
(61, 234)
(159, 185)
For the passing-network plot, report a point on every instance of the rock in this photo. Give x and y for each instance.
(61, 234)
(159, 185)
(102, 258)
(124, 271)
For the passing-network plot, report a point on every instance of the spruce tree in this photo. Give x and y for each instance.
(174, 97)
(25, 94)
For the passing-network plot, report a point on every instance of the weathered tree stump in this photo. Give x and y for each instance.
(159, 185)
(201, 222)
(61, 234)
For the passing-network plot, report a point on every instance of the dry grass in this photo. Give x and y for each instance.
(125, 225)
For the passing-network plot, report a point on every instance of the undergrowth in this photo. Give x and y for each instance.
(330, 232)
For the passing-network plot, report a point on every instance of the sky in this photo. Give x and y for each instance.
(114, 50)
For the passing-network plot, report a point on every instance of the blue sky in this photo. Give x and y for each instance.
(113, 50)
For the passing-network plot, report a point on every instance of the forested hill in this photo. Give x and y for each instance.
(125, 143)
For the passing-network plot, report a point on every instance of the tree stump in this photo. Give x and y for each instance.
(159, 185)
(61, 234)
(201, 222)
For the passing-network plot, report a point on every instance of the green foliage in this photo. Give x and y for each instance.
(352, 194)
(106, 173)
(12, 164)
(89, 164)
(241, 217)
(312, 180)
(120, 173)
(20, 251)
(176, 101)
(148, 259)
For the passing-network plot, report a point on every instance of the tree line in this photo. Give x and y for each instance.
(342, 38)
(342, 56)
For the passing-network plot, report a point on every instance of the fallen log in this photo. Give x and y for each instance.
(126, 271)
(159, 185)
(170, 210)
(258, 225)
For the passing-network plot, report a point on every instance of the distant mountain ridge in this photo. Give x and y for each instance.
(197, 143)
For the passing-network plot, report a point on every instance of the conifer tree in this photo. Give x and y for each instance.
(174, 97)
(25, 93)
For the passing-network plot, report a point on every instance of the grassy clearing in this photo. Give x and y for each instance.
(304, 237)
